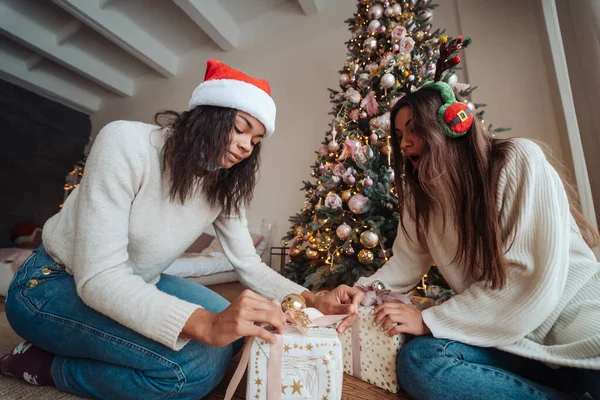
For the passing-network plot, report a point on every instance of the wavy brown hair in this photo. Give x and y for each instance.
(459, 177)
(196, 140)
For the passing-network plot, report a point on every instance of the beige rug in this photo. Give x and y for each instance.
(14, 389)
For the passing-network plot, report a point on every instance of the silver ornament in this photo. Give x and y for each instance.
(388, 81)
(377, 286)
(370, 44)
(389, 12)
(425, 16)
(376, 11)
(397, 9)
(374, 25)
(333, 146)
(452, 79)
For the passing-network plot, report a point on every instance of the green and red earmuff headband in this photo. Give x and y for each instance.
(456, 117)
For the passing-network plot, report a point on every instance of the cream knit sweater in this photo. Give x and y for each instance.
(549, 309)
(118, 231)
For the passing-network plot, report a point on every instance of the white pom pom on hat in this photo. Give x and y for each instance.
(224, 86)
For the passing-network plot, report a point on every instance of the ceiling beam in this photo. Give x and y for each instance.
(124, 33)
(310, 7)
(16, 71)
(214, 20)
(32, 35)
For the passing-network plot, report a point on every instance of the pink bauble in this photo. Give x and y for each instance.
(357, 203)
(397, 9)
(381, 29)
(344, 79)
(350, 250)
(373, 138)
(343, 231)
(363, 114)
(368, 182)
(370, 44)
(376, 11)
(395, 47)
(350, 179)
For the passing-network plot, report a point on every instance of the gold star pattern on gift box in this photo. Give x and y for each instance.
(321, 363)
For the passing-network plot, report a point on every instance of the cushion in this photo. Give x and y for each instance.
(215, 246)
(201, 243)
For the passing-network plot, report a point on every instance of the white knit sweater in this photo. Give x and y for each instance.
(119, 230)
(549, 309)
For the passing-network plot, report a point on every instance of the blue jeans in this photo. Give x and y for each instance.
(96, 357)
(430, 369)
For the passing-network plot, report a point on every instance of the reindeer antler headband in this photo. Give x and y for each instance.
(456, 117)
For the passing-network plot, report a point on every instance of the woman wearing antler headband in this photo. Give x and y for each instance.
(497, 220)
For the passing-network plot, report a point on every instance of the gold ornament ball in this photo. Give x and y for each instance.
(345, 195)
(312, 254)
(369, 239)
(293, 302)
(295, 252)
(365, 256)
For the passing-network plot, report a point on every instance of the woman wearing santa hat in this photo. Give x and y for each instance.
(99, 317)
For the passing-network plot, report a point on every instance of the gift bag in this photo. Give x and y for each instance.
(369, 353)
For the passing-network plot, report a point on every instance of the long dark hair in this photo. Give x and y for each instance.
(197, 140)
(459, 176)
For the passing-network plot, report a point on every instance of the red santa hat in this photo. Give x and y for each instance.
(224, 86)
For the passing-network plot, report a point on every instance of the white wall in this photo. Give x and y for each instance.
(580, 28)
(505, 62)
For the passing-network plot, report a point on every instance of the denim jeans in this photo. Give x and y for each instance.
(96, 357)
(430, 369)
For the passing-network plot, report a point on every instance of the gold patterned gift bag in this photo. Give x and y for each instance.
(370, 354)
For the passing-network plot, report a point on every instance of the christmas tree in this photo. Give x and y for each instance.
(350, 218)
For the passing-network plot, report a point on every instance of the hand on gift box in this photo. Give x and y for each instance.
(407, 317)
(238, 320)
(342, 300)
